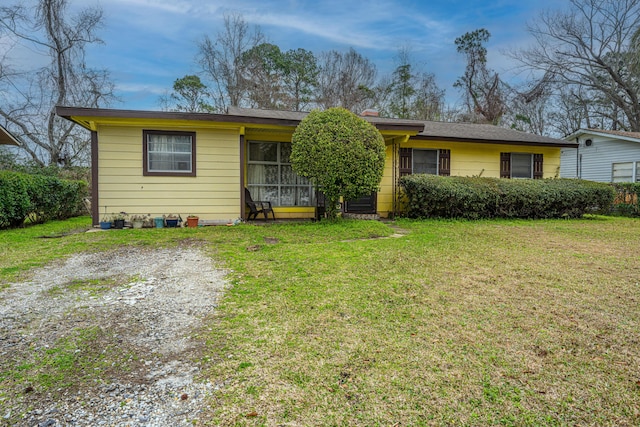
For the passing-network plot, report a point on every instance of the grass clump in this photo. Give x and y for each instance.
(71, 362)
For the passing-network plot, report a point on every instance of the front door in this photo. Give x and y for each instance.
(363, 205)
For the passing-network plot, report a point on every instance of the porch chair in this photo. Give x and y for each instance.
(257, 206)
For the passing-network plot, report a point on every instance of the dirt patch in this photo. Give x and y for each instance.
(107, 338)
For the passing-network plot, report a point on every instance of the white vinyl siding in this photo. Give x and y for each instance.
(596, 162)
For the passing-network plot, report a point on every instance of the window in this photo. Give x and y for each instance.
(625, 172)
(425, 161)
(521, 165)
(169, 153)
(271, 177)
(435, 162)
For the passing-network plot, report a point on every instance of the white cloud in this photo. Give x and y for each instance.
(378, 25)
(141, 88)
(152, 6)
(149, 43)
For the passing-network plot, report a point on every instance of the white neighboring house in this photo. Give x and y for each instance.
(602, 155)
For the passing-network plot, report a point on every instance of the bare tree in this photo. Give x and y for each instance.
(570, 110)
(530, 106)
(345, 80)
(590, 46)
(29, 97)
(483, 90)
(221, 58)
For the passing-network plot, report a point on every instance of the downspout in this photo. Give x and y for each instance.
(396, 171)
(578, 159)
(394, 175)
(95, 202)
(242, 158)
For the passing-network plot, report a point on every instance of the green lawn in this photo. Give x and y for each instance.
(454, 323)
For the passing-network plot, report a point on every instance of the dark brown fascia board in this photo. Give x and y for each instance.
(492, 141)
(6, 138)
(69, 112)
(400, 126)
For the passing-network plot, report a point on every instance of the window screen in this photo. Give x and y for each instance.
(622, 172)
(521, 165)
(169, 153)
(425, 161)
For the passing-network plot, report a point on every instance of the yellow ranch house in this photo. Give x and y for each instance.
(152, 162)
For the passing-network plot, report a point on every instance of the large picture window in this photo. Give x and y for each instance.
(169, 153)
(270, 176)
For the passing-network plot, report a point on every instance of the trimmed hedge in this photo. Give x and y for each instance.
(475, 198)
(38, 198)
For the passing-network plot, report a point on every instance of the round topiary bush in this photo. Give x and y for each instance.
(340, 153)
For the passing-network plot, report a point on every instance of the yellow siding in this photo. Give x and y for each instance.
(385, 195)
(214, 194)
(467, 159)
(473, 159)
(293, 212)
(270, 136)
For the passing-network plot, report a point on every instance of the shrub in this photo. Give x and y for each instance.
(14, 199)
(340, 153)
(38, 197)
(475, 198)
(626, 202)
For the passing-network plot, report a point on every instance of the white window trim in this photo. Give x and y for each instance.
(635, 165)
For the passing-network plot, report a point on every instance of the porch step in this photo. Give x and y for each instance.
(373, 217)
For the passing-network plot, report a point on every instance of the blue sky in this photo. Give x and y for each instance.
(150, 43)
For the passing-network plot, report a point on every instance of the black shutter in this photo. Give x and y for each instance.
(537, 166)
(406, 161)
(444, 162)
(505, 165)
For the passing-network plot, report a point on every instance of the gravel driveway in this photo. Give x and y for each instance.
(155, 301)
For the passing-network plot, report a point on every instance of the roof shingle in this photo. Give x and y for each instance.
(472, 132)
